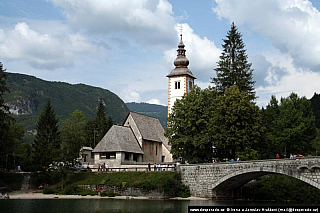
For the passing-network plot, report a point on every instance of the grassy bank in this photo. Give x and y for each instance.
(167, 182)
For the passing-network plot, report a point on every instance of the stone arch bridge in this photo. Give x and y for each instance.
(223, 180)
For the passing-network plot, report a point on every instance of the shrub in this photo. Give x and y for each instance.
(71, 189)
(109, 194)
(48, 190)
(88, 192)
(183, 191)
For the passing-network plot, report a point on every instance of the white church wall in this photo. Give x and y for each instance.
(130, 123)
(176, 93)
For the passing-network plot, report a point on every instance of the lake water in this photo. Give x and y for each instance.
(110, 205)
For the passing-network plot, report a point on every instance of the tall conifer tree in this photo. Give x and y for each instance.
(109, 123)
(233, 67)
(101, 122)
(47, 143)
(5, 120)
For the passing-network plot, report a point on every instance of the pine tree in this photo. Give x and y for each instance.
(233, 67)
(109, 123)
(47, 143)
(5, 120)
(101, 123)
(3, 89)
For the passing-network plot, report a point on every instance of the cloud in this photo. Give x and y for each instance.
(154, 101)
(42, 51)
(129, 95)
(201, 52)
(292, 26)
(284, 78)
(265, 71)
(145, 21)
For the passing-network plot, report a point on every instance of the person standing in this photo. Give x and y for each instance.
(99, 191)
(278, 156)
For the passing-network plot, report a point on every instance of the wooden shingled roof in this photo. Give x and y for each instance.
(150, 128)
(119, 138)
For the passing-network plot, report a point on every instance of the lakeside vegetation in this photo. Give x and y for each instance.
(281, 188)
(167, 182)
(10, 181)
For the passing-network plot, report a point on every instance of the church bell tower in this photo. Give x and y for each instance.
(181, 79)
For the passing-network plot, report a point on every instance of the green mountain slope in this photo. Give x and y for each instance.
(28, 96)
(154, 110)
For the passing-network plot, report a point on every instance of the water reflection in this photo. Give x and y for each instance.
(108, 205)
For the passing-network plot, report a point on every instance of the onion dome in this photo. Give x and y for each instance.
(181, 62)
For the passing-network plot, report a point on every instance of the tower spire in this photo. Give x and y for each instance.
(181, 79)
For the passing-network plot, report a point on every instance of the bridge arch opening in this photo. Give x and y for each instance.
(229, 186)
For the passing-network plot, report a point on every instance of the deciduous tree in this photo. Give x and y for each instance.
(73, 135)
(235, 124)
(295, 126)
(188, 130)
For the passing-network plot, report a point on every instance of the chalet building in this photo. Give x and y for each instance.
(86, 155)
(140, 139)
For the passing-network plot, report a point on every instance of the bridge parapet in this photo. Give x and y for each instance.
(222, 179)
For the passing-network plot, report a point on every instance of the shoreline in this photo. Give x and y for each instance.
(32, 194)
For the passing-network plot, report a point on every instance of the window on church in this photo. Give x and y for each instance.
(177, 85)
(110, 155)
(190, 85)
(135, 157)
(103, 155)
(126, 156)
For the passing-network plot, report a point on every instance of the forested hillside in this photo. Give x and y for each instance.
(154, 110)
(28, 96)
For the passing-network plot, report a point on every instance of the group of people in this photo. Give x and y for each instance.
(291, 156)
(216, 160)
(103, 167)
(165, 167)
(5, 196)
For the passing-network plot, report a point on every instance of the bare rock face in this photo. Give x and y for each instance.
(21, 107)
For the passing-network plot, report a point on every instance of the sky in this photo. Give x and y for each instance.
(128, 46)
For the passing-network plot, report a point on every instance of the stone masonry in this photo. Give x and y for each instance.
(222, 180)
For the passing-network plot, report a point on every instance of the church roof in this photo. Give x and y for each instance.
(181, 71)
(150, 128)
(181, 62)
(119, 139)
